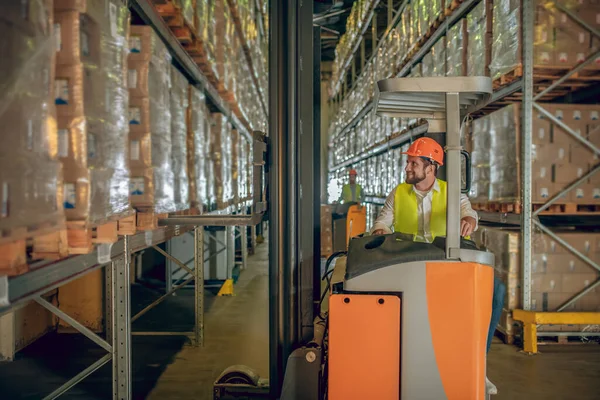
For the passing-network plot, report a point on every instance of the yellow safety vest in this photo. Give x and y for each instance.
(347, 193)
(405, 210)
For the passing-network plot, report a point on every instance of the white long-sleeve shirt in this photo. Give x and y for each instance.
(385, 220)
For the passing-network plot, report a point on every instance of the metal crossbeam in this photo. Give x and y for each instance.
(74, 323)
(160, 300)
(566, 128)
(175, 260)
(572, 186)
(79, 377)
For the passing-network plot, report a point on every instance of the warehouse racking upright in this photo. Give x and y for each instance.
(46, 276)
(532, 77)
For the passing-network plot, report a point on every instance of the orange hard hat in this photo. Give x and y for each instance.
(353, 172)
(428, 148)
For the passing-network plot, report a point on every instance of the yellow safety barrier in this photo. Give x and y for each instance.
(531, 319)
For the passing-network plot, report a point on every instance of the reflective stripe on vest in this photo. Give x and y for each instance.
(406, 211)
(347, 193)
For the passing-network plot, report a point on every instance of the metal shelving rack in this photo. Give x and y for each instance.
(529, 218)
(115, 258)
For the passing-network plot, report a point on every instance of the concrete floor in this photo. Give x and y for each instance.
(237, 333)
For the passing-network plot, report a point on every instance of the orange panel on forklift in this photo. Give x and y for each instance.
(364, 347)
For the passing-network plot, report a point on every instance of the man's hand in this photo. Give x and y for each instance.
(378, 232)
(467, 226)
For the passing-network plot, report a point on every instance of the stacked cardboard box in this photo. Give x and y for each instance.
(558, 158)
(326, 230)
(557, 274)
(179, 130)
(30, 174)
(198, 149)
(91, 101)
(150, 143)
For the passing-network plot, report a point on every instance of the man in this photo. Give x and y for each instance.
(352, 192)
(418, 207)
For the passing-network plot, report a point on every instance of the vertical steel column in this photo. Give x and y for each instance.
(230, 250)
(199, 285)
(526, 159)
(244, 239)
(454, 175)
(307, 169)
(121, 319)
(279, 345)
(318, 144)
(108, 302)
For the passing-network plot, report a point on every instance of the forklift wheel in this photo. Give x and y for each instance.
(239, 375)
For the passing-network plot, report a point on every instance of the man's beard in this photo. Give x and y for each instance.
(414, 178)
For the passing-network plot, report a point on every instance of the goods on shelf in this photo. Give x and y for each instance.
(326, 230)
(198, 150)
(558, 158)
(179, 106)
(557, 274)
(222, 160)
(479, 31)
(456, 56)
(354, 26)
(30, 174)
(150, 146)
(91, 100)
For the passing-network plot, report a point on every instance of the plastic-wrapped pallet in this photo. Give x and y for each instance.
(503, 174)
(179, 106)
(235, 165)
(222, 160)
(106, 103)
(91, 100)
(198, 149)
(415, 18)
(427, 65)
(455, 54)
(480, 160)
(506, 37)
(30, 175)
(438, 53)
(150, 144)
(424, 16)
(478, 31)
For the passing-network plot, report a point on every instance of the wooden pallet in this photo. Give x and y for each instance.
(508, 77)
(452, 6)
(554, 209)
(566, 340)
(14, 250)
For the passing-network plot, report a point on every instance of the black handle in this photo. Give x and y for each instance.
(467, 189)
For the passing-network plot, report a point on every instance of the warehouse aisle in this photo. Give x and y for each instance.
(557, 373)
(237, 332)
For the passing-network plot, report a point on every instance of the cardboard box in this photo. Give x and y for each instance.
(568, 173)
(140, 150)
(543, 244)
(140, 43)
(544, 51)
(541, 171)
(550, 153)
(137, 78)
(67, 34)
(541, 283)
(593, 131)
(560, 137)
(544, 190)
(574, 283)
(580, 154)
(566, 263)
(141, 186)
(541, 131)
(68, 90)
(572, 45)
(139, 115)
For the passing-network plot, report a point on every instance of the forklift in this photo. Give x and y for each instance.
(396, 306)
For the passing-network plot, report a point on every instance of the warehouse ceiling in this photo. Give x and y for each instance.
(331, 16)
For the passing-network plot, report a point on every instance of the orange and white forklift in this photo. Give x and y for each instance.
(404, 319)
